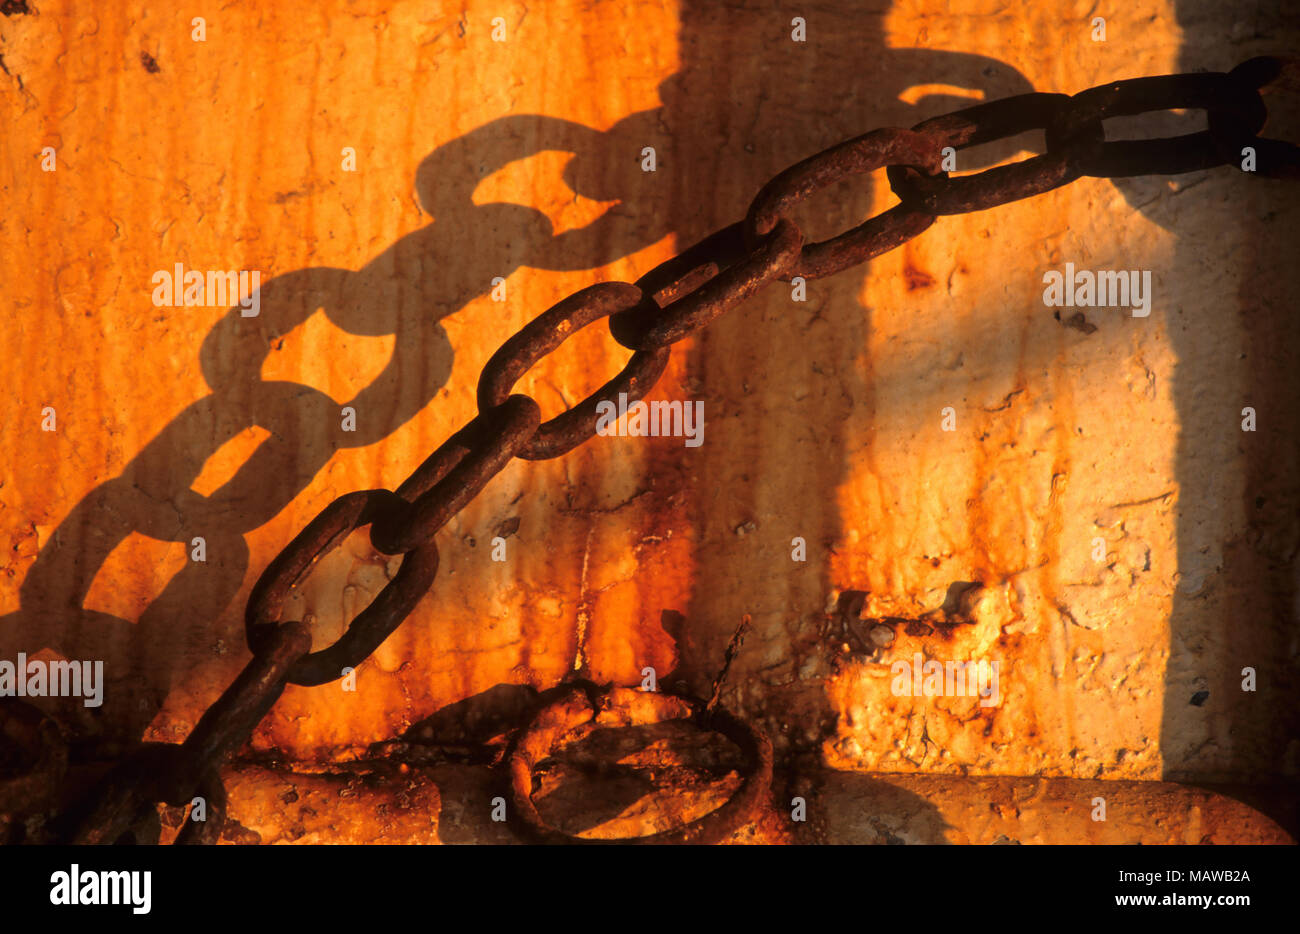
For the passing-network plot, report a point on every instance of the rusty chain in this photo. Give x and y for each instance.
(666, 305)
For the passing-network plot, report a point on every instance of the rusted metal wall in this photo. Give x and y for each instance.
(521, 159)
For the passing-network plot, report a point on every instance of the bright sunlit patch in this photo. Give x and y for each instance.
(917, 91)
(134, 574)
(227, 459)
(320, 354)
(538, 182)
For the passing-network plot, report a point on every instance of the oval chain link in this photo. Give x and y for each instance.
(1215, 93)
(376, 622)
(546, 333)
(858, 156)
(984, 123)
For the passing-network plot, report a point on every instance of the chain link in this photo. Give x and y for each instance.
(1001, 184)
(1215, 93)
(650, 326)
(875, 150)
(542, 336)
(667, 305)
(375, 623)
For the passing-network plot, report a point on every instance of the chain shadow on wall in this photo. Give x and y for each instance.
(153, 495)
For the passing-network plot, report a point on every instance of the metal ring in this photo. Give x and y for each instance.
(376, 622)
(578, 705)
(1214, 92)
(879, 234)
(984, 123)
(455, 473)
(649, 327)
(543, 335)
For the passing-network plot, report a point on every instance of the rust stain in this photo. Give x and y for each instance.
(913, 275)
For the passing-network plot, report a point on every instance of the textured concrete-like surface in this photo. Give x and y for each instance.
(823, 419)
(454, 804)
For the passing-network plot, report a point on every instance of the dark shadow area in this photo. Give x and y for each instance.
(860, 809)
(465, 731)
